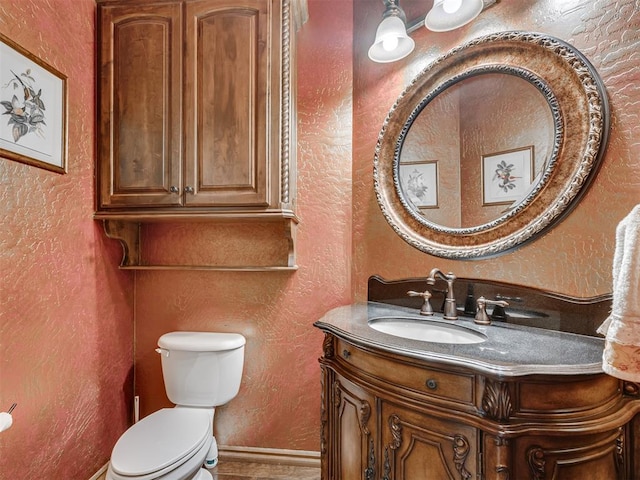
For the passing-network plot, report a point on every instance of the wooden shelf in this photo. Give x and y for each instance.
(128, 232)
(214, 268)
(194, 215)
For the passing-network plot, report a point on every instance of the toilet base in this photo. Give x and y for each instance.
(203, 475)
(212, 457)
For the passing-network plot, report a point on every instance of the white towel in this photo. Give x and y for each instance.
(621, 356)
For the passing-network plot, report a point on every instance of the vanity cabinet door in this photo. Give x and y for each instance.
(575, 457)
(140, 75)
(416, 445)
(352, 432)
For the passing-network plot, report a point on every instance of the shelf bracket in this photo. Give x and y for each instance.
(129, 235)
(290, 231)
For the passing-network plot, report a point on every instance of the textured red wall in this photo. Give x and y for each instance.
(66, 329)
(278, 405)
(576, 256)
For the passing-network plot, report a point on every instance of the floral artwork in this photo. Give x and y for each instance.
(419, 183)
(506, 176)
(33, 109)
(26, 108)
(416, 187)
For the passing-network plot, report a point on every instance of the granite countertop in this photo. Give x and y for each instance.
(509, 350)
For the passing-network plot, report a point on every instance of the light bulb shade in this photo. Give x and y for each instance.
(392, 42)
(438, 20)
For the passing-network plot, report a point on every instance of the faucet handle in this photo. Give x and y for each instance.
(481, 317)
(426, 308)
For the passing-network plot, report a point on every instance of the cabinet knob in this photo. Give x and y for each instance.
(188, 189)
(174, 189)
(346, 353)
(432, 384)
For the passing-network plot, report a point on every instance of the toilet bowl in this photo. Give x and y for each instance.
(169, 444)
(201, 370)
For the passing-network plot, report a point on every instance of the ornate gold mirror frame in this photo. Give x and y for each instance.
(578, 102)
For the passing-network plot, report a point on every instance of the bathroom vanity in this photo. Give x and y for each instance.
(516, 402)
(522, 395)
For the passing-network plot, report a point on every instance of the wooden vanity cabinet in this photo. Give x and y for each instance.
(386, 416)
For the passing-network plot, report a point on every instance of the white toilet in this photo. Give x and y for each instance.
(201, 371)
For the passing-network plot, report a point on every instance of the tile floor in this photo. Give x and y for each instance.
(231, 470)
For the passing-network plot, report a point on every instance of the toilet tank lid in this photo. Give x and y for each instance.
(201, 341)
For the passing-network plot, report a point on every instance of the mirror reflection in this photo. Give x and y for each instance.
(491, 145)
(476, 150)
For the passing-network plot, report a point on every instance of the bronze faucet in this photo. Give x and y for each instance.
(450, 308)
(481, 317)
(426, 308)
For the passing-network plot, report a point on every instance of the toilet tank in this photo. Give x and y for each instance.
(201, 369)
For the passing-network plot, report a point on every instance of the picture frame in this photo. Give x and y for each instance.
(507, 175)
(419, 182)
(33, 109)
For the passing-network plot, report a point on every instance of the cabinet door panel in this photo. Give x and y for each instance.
(599, 456)
(226, 97)
(420, 446)
(140, 91)
(352, 431)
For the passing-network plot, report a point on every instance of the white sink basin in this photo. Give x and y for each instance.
(425, 330)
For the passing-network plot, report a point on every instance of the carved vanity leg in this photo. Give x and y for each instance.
(129, 235)
(370, 471)
(497, 455)
(620, 461)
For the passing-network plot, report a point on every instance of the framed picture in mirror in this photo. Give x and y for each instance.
(419, 182)
(507, 175)
(33, 98)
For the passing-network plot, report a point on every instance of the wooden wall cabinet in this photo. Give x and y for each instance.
(385, 416)
(196, 113)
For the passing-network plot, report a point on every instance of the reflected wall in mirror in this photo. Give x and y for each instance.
(491, 145)
(461, 129)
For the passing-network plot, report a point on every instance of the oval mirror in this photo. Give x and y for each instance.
(491, 145)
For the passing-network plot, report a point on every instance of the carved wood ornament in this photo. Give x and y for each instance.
(370, 471)
(537, 462)
(496, 400)
(327, 346)
(460, 454)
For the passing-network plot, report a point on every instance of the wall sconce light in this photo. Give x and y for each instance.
(451, 14)
(392, 41)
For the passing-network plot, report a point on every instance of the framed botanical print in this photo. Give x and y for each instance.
(33, 107)
(506, 176)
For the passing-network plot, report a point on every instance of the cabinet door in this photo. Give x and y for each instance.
(352, 432)
(574, 457)
(228, 95)
(140, 105)
(418, 446)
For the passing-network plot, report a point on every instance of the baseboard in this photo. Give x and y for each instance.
(297, 458)
(294, 458)
(101, 474)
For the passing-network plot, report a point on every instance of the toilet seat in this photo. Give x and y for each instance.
(161, 443)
